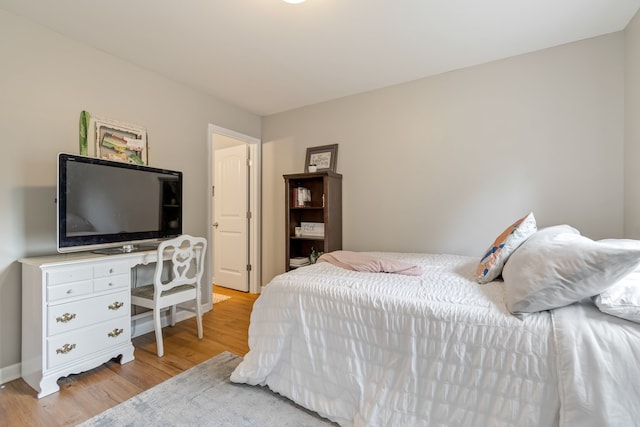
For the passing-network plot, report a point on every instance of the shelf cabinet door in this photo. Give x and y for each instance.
(324, 206)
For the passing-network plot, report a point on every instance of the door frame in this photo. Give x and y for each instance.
(255, 197)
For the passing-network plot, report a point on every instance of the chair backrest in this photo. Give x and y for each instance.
(187, 262)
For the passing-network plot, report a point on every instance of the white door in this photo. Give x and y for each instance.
(230, 218)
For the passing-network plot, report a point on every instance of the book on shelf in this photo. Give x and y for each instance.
(301, 196)
(312, 229)
(299, 261)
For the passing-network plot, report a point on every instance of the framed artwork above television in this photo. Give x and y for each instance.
(119, 141)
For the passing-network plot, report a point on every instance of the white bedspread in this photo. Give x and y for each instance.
(599, 367)
(376, 349)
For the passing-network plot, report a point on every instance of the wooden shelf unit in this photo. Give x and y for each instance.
(325, 207)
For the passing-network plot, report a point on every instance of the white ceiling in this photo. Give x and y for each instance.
(267, 56)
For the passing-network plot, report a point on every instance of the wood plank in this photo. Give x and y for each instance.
(85, 395)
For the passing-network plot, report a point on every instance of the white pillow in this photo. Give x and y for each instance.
(622, 299)
(622, 243)
(494, 258)
(557, 266)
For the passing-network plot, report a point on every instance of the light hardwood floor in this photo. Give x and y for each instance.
(87, 394)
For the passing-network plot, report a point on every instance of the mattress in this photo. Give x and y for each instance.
(378, 349)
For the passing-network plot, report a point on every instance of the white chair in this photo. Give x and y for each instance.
(182, 284)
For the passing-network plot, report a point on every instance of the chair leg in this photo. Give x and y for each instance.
(199, 319)
(158, 327)
(173, 316)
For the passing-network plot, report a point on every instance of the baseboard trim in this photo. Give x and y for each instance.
(10, 373)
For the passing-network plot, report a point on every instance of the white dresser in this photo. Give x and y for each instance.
(75, 314)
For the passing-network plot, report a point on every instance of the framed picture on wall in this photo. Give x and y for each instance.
(324, 157)
(119, 141)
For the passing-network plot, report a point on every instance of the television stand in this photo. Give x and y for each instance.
(76, 313)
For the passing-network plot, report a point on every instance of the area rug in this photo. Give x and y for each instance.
(204, 396)
(219, 298)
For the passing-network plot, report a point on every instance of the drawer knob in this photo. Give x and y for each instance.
(67, 317)
(115, 332)
(65, 349)
(116, 305)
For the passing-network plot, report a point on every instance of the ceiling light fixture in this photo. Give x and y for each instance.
(293, 1)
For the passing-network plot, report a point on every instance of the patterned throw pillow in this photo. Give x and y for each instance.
(491, 264)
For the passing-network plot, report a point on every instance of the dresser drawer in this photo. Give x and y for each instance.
(68, 275)
(67, 348)
(78, 314)
(106, 270)
(112, 282)
(69, 290)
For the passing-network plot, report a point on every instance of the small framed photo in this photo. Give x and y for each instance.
(119, 141)
(325, 158)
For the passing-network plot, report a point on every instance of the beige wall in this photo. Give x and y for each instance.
(632, 130)
(46, 80)
(444, 164)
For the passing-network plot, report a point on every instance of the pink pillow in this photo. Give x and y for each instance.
(506, 243)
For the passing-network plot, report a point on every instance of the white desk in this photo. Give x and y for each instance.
(76, 314)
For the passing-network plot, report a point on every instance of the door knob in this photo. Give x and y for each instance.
(215, 224)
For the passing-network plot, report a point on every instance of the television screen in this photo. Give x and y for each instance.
(107, 204)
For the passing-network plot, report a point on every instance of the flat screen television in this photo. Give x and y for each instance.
(112, 207)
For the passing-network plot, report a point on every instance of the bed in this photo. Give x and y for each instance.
(364, 348)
